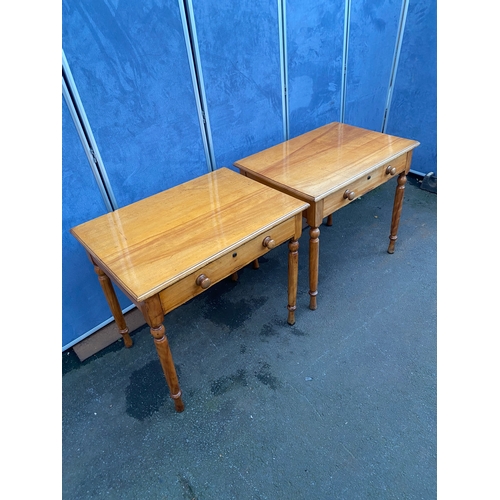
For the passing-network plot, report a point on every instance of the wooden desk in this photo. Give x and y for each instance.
(168, 248)
(328, 168)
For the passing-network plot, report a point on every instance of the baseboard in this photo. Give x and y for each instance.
(107, 335)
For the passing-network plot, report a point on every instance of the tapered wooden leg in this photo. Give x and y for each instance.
(234, 276)
(153, 314)
(329, 220)
(396, 211)
(114, 305)
(256, 264)
(313, 266)
(293, 273)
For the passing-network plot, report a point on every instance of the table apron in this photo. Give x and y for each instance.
(186, 288)
(363, 185)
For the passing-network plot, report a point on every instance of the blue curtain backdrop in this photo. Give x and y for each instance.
(173, 89)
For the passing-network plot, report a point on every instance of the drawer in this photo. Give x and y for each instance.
(363, 185)
(188, 287)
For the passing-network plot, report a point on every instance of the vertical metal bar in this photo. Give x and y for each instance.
(284, 66)
(83, 139)
(345, 53)
(191, 39)
(90, 144)
(395, 62)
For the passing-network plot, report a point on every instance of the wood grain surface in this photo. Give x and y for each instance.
(150, 244)
(317, 163)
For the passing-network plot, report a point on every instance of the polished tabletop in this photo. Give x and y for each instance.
(320, 162)
(150, 244)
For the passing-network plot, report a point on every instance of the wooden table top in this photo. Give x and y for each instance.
(150, 244)
(319, 162)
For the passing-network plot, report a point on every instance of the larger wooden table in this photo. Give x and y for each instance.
(168, 248)
(328, 168)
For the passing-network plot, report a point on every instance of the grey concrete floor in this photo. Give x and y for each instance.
(342, 405)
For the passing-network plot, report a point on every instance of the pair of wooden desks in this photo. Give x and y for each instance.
(168, 248)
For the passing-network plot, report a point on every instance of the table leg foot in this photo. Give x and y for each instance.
(313, 303)
(313, 266)
(293, 272)
(392, 243)
(234, 276)
(113, 304)
(126, 338)
(329, 220)
(179, 405)
(396, 211)
(256, 264)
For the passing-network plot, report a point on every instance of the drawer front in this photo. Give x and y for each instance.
(187, 288)
(363, 185)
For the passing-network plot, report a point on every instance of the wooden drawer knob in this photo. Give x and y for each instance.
(269, 242)
(390, 170)
(203, 281)
(349, 195)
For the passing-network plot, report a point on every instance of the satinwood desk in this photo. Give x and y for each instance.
(165, 249)
(328, 168)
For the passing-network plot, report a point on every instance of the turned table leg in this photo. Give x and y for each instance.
(113, 303)
(293, 273)
(313, 266)
(396, 211)
(153, 314)
(255, 265)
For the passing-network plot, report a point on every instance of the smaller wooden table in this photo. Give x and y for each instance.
(328, 168)
(168, 248)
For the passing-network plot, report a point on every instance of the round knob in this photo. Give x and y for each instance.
(349, 195)
(269, 242)
(203, 281)
(390, 170)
